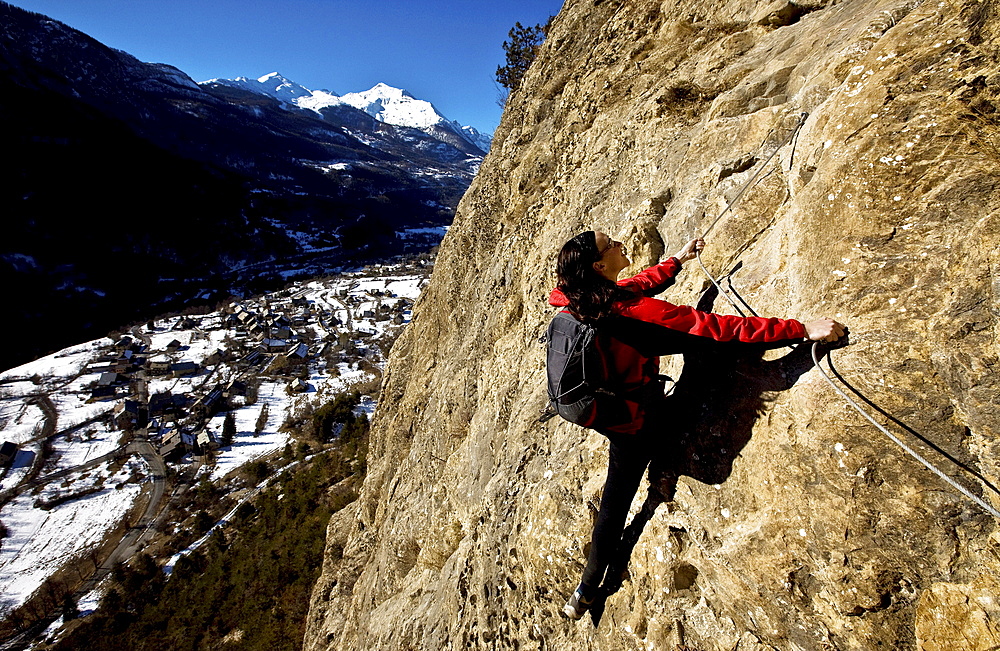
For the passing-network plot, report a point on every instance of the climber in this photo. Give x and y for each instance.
(634, 329)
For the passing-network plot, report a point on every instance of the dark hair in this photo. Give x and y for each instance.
(591, 295)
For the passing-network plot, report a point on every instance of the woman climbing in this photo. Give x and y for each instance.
(634, 329)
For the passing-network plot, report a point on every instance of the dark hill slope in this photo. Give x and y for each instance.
(131, 190)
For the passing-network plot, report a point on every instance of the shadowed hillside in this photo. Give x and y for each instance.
(132, 191)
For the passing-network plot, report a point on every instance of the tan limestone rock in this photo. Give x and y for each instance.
(951, 616)
(795, 524)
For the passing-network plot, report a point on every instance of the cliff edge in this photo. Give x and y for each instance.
(794, 523)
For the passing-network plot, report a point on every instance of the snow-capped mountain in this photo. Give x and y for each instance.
(385, 103)
(273, 84)
(395, 106)
(201, 188)
(482, 140)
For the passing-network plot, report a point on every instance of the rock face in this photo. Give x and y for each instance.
(795, 524)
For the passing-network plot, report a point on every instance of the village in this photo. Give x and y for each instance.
(89, 433)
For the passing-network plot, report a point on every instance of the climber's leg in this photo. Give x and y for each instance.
(627, 460)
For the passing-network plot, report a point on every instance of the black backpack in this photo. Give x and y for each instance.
(577, 380)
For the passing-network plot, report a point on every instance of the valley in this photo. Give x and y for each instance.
(115, 442)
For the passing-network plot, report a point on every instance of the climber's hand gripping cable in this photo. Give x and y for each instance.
(690, 250)
(825, 329)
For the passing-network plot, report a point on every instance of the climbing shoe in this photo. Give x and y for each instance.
(577, 605)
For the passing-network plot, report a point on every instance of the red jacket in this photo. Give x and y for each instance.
(650, 327)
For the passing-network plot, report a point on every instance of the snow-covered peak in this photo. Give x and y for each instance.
(477, 138)
(278, 86)
(395, 106)
(383, 102)
(319, 99)
(272, 84)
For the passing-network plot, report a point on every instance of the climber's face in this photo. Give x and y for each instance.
(613, 258)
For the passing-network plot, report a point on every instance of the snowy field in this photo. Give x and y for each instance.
(58, 366)
(86, 444)
(38, 541)
(21, 420)
(247, 446)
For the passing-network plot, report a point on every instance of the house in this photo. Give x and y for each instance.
(279, 321)
(164, 403)
(205, 441)
(173, 444)
(103, 393)
(173, 346)
(298, 386)
(111, 379)
(216, 357)
(208, 403)
(183, 368)
(301, 351)
(7, 453)
(124, 343)
(280, 332)
(275, 345)
(126, 414)
(160, 403)
(97, 367)
(159, 365)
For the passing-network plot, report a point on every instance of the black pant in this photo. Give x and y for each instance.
(628, 457)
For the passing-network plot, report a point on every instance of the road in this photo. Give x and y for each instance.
(137, 536)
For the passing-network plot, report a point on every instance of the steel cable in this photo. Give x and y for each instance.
(961, 489)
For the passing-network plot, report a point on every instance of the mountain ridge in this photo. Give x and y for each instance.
(210, 187)
(383, 102)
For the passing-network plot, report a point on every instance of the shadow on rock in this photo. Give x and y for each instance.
(707, 420)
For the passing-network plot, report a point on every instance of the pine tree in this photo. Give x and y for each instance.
(521, 49)
(229, 429)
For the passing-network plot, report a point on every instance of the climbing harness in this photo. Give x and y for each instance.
(793, 137)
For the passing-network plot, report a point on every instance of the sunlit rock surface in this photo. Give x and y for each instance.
(795, 524)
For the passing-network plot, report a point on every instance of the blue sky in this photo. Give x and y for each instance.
(443, 51)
